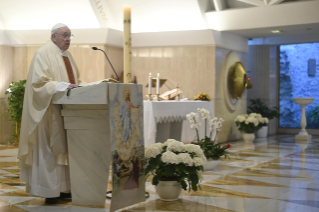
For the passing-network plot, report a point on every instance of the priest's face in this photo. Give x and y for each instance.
(62, 38)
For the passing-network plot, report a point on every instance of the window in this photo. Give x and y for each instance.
(299, 77)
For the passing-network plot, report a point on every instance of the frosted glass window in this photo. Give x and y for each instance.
(299, 66)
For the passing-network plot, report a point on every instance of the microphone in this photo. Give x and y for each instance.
(95, 48)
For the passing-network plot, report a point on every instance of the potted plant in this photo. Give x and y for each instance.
(15, 100)
(257, 106)
(263, 124)
(213, 151)
(248, 125)
(175, 166)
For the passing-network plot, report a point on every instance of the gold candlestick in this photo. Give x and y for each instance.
(149, 97)
(157, 98)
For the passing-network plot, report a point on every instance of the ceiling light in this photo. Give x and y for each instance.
(276, 31)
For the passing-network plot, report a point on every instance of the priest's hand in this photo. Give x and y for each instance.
(72, 86)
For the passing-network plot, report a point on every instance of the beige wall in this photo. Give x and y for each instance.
(6, 67)
(15, 63)
(191, 67)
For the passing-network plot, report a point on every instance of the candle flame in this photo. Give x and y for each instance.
(158, 74)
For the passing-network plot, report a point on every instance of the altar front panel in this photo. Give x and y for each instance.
(88, 134)
(172, 112)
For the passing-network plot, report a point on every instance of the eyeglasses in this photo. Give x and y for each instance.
(65, 36)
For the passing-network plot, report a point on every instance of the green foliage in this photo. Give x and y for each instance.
(185, 175)
(257, 106)
(213, 150)
(15, 101)
(313, 115)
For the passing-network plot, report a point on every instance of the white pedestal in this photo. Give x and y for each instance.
(303, 102)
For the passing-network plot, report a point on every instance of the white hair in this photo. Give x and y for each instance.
(56, 27)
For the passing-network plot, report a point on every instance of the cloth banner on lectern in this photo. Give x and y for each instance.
(127, 144)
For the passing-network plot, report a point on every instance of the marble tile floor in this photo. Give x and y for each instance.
(273, 174)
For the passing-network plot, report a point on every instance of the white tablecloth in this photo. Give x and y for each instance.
(172, 111)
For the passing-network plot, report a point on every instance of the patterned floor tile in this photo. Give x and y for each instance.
(310, 203)
(231, 180)
(272, 174)
(278, 205)
(179, 205)
(219, 191)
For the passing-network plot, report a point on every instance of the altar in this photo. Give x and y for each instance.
(167, 119)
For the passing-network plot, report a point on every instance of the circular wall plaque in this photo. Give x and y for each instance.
(234, 80)
(237, 80)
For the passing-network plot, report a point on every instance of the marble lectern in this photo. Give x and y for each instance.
(86, 119)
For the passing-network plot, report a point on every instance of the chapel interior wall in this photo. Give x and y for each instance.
(192, 67)
(263, 70)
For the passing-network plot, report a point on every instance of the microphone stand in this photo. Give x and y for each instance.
(95, 48)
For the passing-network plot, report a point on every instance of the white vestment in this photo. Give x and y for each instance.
(43, 147)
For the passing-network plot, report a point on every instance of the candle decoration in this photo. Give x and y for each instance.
(150, 84)
(127, 44)
(158, 84)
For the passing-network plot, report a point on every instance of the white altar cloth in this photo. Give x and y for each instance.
(173, 111)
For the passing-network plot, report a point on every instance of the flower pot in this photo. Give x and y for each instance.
(211, 164)
(168, 190)
(248, 137)
(262, 132)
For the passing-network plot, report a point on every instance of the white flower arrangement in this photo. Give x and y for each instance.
(215, 123)
(174, 160)
(209, 145)
(250, 123)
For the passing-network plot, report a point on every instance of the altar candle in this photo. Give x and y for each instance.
(150, 84)
(158, 84)
(127, 43)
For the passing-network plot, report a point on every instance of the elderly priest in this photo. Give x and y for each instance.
(43, 148)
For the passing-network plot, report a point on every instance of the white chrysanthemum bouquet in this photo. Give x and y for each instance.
(174, 160)
(250, 123)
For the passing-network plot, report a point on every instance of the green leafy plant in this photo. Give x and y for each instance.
(257, 106)
(15, 101)
(214, 150)
(175, 161)
(314, 116)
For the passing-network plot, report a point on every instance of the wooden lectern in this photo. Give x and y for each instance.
(86, 120)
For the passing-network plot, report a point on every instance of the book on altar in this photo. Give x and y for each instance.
(100, 81)
(169, 95)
